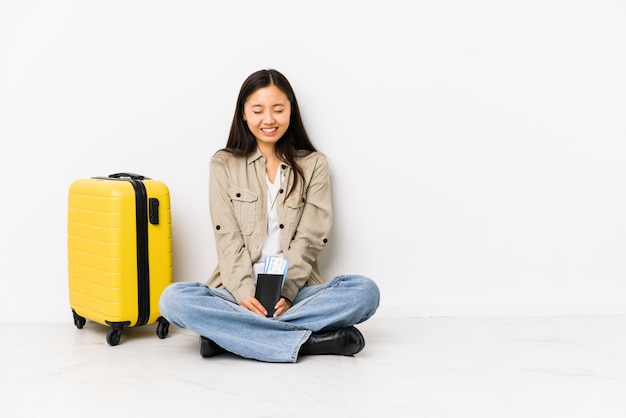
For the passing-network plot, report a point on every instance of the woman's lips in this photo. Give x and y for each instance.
(269, 131)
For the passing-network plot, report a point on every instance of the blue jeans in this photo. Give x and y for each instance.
(215, 314)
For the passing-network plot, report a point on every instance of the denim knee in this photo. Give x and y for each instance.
(370, 293)
(167, 301)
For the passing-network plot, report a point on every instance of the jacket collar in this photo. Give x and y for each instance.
(254, 156)
(250, 159)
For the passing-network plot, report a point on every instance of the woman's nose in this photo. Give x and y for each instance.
(268, 118)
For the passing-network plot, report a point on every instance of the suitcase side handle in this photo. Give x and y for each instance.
(131, 175)
(153, 210)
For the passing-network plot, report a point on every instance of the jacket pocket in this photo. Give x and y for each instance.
(294, 207)
(244, 207)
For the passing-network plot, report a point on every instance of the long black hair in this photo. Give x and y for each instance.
(294, 143)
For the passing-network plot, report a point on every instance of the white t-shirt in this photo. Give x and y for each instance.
(271, 246)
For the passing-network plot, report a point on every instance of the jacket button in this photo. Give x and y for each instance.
(280, 191)
(303, 200)
(325, 240)
(238, 195)
(281, 226)
(283, 166)
(218, 227)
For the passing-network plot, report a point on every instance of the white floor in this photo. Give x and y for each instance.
(412, 367)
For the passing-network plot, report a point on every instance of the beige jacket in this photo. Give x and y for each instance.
(238, 198)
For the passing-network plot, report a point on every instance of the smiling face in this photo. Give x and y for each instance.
(267, 112)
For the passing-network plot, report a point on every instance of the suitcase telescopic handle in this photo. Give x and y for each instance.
(131, 175)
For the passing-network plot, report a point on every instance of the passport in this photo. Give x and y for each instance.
(268, 287)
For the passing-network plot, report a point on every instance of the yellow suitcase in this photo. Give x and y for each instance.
(119, 251)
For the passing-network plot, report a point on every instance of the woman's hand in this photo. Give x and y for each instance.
(252, 304)
(282, 306)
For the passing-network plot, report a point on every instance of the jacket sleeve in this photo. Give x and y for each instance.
(312, 228)
(234, 263)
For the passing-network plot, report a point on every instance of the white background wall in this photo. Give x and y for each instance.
(477, 148)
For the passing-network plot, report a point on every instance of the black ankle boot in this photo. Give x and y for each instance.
(344, 341)
(208, 348)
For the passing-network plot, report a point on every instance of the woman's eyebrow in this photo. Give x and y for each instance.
(274, 105)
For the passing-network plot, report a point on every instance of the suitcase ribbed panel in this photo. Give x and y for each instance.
(102, 251)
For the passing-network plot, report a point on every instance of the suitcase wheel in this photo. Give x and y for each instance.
(162, 328)
(114, 336)
(115, 333)
(79, 321)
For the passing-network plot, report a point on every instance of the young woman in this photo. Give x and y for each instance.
(270, 196)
